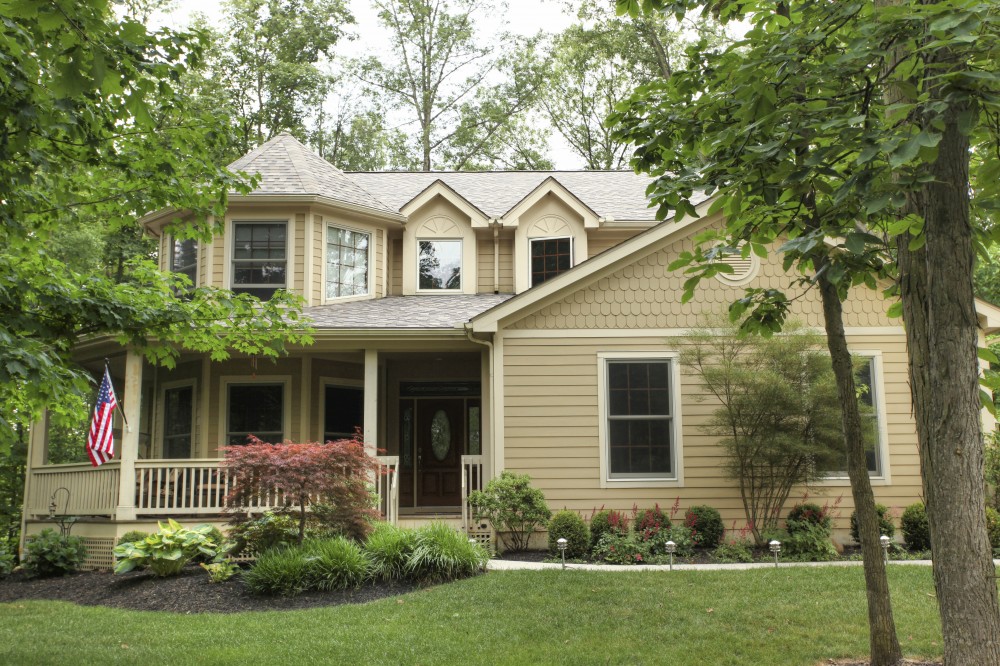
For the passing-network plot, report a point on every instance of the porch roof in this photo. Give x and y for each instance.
(404, 312)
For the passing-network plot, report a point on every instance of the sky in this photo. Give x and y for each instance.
(525, 17)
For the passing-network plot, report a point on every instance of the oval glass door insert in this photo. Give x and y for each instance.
(440, 435)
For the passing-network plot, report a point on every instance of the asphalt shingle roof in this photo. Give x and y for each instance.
(617, 194)
(394, 312)
(287, 167)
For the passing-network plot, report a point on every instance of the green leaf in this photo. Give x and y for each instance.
(987, 354)
(895, 310)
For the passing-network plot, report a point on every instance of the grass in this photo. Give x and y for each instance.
(795, 616)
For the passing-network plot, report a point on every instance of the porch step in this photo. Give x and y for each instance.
(421, 519)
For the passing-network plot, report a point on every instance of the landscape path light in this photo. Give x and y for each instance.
(671, 549)
(884, 540)
(775, 547)
(562, 549)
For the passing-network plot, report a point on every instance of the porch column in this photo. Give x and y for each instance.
(371, 401)
(132, 407)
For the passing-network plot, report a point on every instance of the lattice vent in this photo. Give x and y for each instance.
(483, 536)
(100, 553)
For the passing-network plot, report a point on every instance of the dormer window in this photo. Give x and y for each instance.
(549, 258)
(259, 257)
(440, 265)
(184, 258)
(347, 262)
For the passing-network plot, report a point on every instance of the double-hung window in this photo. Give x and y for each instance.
(184, 258)
(549, 258)
(259, 257)
(640, 431)
(347, 261)
(870, 404)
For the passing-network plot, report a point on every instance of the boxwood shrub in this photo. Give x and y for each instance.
(607, 521)
(570, 526)
(885, 525)
(913, 523)
(706, 526)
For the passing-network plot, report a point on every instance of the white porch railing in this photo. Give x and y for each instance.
(187, 487)
(387, 487)
(472, 479)
(92, 491)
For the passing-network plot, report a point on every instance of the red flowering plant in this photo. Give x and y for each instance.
(295, 476)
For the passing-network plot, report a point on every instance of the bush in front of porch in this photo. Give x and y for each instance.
(513, 507)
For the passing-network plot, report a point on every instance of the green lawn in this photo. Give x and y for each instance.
(796, 616)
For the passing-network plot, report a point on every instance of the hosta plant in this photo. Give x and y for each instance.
(168, 550)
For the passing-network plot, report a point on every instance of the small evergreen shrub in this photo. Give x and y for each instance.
(441, 554)
(570, 526)
(615, 548)
(993, 526)
(7, 561)
(607, 521)
(335, 564)
(168, 550)
(650, 522)
(280, 572)
(913, 523)
(132, 536)
(52, 554)
(389, 549)
(268, 531)
(706, 526)
(731, 553)
(885, 525)
(513, 507)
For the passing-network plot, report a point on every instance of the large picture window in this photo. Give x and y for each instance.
(549, 258)
(184, 258)
(255, 409)
(259, 257)
(440, 265)
(640, 438)
(346, 262)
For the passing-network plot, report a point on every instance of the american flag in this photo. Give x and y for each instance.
(100, 441)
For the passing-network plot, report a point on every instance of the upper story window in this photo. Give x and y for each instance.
(439, 265)
(184, 258)
(549, 258)
(347, 262)
(259, 257)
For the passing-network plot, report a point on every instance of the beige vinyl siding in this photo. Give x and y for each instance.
(376, 259)
(218, 261)
(645, 294)
(396, 263)
(506, 255)
(551, 429)
(297, 279)
(318, 260)
(603, 239)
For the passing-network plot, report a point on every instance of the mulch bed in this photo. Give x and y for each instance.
(190, 592)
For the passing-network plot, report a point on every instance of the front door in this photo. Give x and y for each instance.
(440, 443)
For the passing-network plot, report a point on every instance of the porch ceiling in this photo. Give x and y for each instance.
(404, 312)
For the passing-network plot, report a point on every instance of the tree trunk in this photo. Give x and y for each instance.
(884, 644)
(941, 332)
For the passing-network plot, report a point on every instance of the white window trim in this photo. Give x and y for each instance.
(462, 273)
(162, 415)
(286, 410)
(371, 264)
(230, 239)
(336, 382)
(677, 481)
(885, 478)
(572, 253)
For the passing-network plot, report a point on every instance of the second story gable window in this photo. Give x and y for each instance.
(347, 261)
(259, 257)
(549, 258)
(440, 265)
(184, 258)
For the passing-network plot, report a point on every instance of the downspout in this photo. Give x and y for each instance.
(495, 223)
(493, 394)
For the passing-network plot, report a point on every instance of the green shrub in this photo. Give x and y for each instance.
(132, 536)
(335, 564)
(52, 554)
(220, 572)
(607, 521)
(885, 525)
(809, 541)
(913, 523)
(706, 526)
(615, 548)
(268, 531)
(389, 549)
(570, 526)
(279, 572)
(512, 506)
(223, 546)
(441, 553)
(7, 561)
(730, 553)
(168, 550)
(803, 515)
(993, 526)
(331, 520)
(682, 537)
(650, 522)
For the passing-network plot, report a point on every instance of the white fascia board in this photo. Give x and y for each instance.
(551, 186)
(440, 189)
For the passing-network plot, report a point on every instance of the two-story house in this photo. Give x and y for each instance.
(467, 323)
